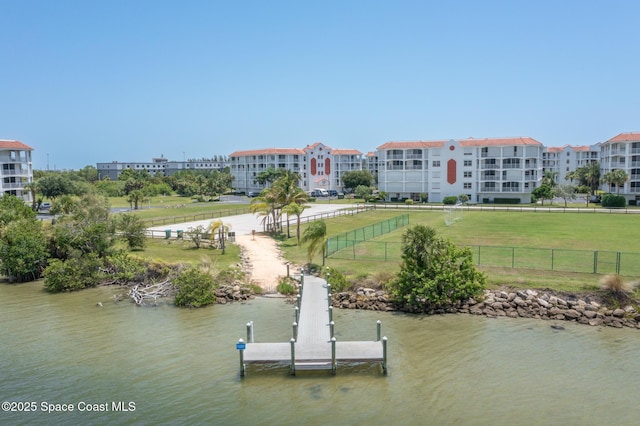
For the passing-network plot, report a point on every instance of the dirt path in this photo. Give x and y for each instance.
(262, 260)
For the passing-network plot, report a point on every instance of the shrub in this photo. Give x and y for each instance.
(194, 288)
(132, 230)
(286, 286)
(408, 201)
(72, 274)
(435, 271)
(337, 280)
(612, 200)
(615, 284)
(450, 200)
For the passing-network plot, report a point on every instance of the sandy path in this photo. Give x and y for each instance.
(262, 260)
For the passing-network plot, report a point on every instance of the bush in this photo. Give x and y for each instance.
(450, 200)
(132, 230)
(72, 274)
(194, 288)
(408, 201)
(286, 286)
(337, 280)
(434, 271)
(612, 200)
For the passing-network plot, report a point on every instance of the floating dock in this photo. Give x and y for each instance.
(313, 345)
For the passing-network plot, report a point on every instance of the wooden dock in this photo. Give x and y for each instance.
(313, 345)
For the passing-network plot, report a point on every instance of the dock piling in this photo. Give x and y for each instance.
(241, 344)
(292, 367)
(379, 326)
(384, 355)
(295, 331)
(333, 356)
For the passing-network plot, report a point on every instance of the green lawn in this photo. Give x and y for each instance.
(179, 251)
(525, 233)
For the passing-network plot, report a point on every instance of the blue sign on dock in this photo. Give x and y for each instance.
(241, 346)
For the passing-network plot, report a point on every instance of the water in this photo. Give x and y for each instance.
(180, 366)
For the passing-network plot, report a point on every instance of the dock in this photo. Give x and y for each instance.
(313, 345)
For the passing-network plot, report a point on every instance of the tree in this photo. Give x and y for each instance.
(132, 230)
(363, 192)
(222, 230)
(566, 192)
(296, 210)
(286, 192)
(435, 271)
(543, 192)
(135, 197)
(88, 229)
(549, 179)
(615, 178)
(351, 180)
(13, 208)
(55, 184)
(316, 236)
(23, 250)
(268, 176)
(32, 187)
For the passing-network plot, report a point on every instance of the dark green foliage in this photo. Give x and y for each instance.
(123, 269)
(316, 236)
(612, 201)
(506, 200)
(23, 250)
(351, 180)
(543, 192)
(13, 208)
(72, 274)
(434, 271)
(132, 230)
(450, 200)
(337, 280)
(194, 288)
(55, 184)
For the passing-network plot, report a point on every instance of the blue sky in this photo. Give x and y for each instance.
(94, 81)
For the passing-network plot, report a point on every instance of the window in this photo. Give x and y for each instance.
(436, 163)
(467, 174)
(467, 185)
(468, 163)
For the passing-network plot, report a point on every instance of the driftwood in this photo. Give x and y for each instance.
(142, 294)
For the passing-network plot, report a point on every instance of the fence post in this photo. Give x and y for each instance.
(552, 258)
(618, 263)
(513, 257)
(595, 262)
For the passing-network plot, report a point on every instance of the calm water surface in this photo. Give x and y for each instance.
(180, 366)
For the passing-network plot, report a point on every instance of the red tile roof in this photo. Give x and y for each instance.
(626, 137)
(410, 145)
(583, 148)
(371, 154)
(5, 144)
(346, 152)
(499, 141)
(268, 151)
(555, 149)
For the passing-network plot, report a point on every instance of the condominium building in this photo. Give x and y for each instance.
(486, 170)
(160, 166)
(319, 165)
(622, 152)
(568, 158)
(17, 171)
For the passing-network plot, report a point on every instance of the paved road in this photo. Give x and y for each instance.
(245, 223)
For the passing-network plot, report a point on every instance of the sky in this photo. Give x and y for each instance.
(84, 82)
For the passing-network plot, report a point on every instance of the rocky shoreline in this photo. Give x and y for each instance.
(499, 303)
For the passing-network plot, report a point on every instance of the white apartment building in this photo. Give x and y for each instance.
(623, 152)
(487, 170)
(17, 172)
(565, 159)
(319, 165)
(160, 166)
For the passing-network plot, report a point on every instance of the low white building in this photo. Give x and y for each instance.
(17, 171)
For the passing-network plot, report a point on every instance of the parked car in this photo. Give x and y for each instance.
(252, 194)
(333, 193)
(44, 206)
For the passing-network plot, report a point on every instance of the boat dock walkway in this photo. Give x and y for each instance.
(313, 345)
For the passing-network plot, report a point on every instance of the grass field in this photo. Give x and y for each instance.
(571, 231)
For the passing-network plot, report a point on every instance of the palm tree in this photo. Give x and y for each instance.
(222, 229)
(135, 197)
(618, 178)
(549, 179)
(286, 191)
(294, 209)
(592, 175)
(32, 187)
(316, 236)
(265, 205)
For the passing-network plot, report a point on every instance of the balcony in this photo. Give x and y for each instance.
(489, 166)
(395, 157)
(490, 178)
